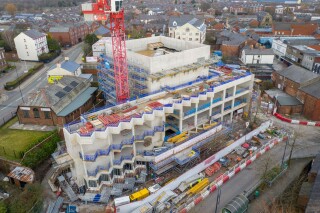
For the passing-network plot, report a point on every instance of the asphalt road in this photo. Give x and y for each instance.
(307, 145)
(11, 99)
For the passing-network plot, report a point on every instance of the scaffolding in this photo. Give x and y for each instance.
(106, 78)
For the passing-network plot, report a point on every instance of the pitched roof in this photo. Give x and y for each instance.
(298, 74)
(59, 29)
(312, 89)
(34, 34)
(258, 51)
(101, 31)
(182, 20)
(288, 101)
(70, 66)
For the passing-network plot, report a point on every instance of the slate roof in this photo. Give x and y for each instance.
(101, 31)
(70, 66)
(298, 74)
(59, 29)
(54, 93)
(288, 101)
(182, 20)
(34, 34)
(233, 38)
(258, 51)
(312, 89)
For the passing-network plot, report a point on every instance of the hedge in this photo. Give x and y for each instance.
(39, 154)
(14, 84)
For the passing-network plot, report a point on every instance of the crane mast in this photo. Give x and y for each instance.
(100, 11)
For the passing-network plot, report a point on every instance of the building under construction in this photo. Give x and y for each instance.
(182, 103)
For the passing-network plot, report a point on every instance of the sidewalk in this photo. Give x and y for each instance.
(266, 197)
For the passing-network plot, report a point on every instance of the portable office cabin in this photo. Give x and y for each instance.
(239, 204)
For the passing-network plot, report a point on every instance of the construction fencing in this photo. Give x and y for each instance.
(195, 170)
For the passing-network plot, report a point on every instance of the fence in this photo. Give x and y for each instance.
(7, 118)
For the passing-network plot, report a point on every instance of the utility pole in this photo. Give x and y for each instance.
(218, 199)
(18, 82)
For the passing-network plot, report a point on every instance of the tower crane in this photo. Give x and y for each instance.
(112, 9)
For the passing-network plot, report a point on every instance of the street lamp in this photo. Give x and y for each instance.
(218, 199)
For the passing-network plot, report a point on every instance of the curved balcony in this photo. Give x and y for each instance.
(122, 158)
(99, 169)
(149, 133)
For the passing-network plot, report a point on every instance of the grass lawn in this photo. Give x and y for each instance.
(13, 141)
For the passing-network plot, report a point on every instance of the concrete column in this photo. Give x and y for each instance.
(134, 144)
(180, 119)
(210, 108)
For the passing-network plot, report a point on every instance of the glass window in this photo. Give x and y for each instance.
(190, 39)
(25, 113)
(47, 115)
(36, 113)
(92, 183)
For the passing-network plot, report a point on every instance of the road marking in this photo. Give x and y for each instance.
(39, 79)
(5, 107)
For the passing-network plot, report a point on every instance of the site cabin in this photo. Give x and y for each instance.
(121, 201)
(139, 195)
(154, 188)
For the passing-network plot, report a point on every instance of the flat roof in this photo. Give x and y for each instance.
(23, 174)
(78, 101)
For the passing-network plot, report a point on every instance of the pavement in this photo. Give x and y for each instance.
(44, 128)
(38, 80)
(307, 145)
(269, 195)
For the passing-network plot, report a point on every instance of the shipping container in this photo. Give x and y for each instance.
(143, 193)
(121, 201)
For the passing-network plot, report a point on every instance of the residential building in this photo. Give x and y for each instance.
(66, 68)
(294, 29)
(306, 56)
(30, 44)
(279, 10)
(187, 28)
(102, 31)
(69, 35)
(3, 63)
(302, 91)
(59, 103)
(231, 43)
(280, 45)
(112, 145)
(257, 56)
(264, 19)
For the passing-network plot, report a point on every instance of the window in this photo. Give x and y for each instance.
(26, 46)
(190, 39)
(24, 40)
(187, 29)
(190, 34)
(197, 34)
(47, 115)
(25, 113)
(36, 113)
(92, 183)
(27, 53)
(197, 39)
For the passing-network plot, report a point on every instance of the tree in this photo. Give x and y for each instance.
(90, 39)
(53, 44)
(8, 36)
(30, 198)
(3, 208)
(193, 1)
(11, 8)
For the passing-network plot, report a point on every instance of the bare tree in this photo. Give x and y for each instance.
(8, 37)
(11, 8)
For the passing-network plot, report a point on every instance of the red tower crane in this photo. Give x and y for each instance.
(100, 11)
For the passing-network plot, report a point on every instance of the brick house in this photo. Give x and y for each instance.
(69, 35)
(3, 63)
(58, 104)
(302, 86)
(294, 29)
(232, 43)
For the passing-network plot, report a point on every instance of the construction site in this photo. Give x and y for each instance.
(172, 116)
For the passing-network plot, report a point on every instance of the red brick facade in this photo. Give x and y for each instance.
(75, 34)
(36, 116)
(285, 84)
(311, 105)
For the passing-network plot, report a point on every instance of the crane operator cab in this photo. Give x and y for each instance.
(116, 5)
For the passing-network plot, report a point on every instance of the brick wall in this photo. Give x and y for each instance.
(290, 109)
(63, 37)
(285, 84)
(230, 51)
(54, 119)
(311, 107)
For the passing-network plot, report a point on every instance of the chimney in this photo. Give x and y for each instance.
(251, 47)
(59, 65)
(66, 58)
